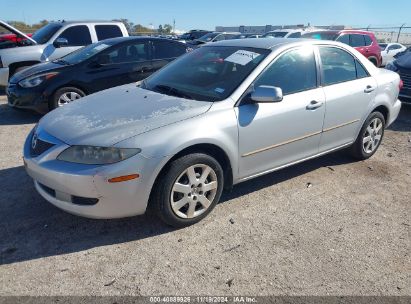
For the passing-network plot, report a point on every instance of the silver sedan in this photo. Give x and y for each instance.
(220, 115)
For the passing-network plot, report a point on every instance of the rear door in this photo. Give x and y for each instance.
(165, 51)
(128, 62)
(349, 90)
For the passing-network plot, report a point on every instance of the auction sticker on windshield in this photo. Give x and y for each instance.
(242, 57)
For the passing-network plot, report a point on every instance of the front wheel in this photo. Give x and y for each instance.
(189, 190)
(370, 137)
(65, 96)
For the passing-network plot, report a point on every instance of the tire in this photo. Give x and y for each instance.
(370, 137)
(182, 201)
(58, 99)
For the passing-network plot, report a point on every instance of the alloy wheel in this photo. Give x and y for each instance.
(372, 136)
(194, 191)
(68, 97)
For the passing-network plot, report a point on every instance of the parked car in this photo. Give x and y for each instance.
(402, 65)
(246, 36)
(53, 41)
(96, 67)
(389, 50)
(216, 36)
(363, 41)
(285, 33)
(192, 35)
(195, 127)
(13, 38)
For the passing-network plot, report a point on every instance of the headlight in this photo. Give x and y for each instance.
(391, 66)
(34, 81)
(96, 155)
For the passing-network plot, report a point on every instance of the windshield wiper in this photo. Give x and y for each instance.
(165, 89)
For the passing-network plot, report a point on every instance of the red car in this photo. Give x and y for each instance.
(11, 37)
(363, 41)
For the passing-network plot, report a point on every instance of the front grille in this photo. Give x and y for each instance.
(406, 78)
(39, 147)
(83, 201)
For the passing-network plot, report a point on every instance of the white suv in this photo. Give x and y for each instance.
(52, 41)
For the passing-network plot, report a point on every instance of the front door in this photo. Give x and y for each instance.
(274, 134)
(129, 62)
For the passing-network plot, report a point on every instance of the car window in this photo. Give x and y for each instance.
(394, 47)
(107, 31)
(337, 65)
(357, 40)
(132, 52)
(78, 35)
(361, 71)
(344, 39)
(220, 38)
(295, 35)
(294, 71)
(167, 49)
(44, 34)
(368, 40)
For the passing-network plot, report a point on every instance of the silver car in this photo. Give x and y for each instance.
(220, 115)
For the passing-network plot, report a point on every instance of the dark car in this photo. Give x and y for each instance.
(96, 67)
(193, 34)
(402, 65)
(363, 41)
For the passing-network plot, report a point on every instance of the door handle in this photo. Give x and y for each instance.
(369, 89)
(314, 105)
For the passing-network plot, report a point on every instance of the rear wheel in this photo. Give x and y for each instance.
(65, 96)
(189, 190)
(370, 137)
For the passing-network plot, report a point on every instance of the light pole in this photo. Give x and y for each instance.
(399, 32)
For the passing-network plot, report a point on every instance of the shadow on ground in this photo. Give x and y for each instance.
(31, 228)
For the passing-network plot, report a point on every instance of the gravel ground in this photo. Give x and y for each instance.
(329, 226)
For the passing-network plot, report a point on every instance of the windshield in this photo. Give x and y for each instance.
(383, 46)
(210, 73)
(85, 53)
(46, 32)
(275, 34)
(208, 37)
(320, 35)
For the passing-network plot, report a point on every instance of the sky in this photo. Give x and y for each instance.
(206, 14)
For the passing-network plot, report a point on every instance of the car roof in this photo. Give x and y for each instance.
(263, 43)
(86, 21)
(132, 38)
(272, 43)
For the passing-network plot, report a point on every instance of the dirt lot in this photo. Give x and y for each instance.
(346, 234)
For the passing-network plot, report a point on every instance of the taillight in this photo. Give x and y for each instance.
(401, 85)
(1, 63)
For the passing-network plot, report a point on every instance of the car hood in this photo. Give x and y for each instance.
(404, 61)
(35, 69)
(113, 115)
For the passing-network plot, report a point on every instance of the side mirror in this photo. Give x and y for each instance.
(60, 42)
(266, 94)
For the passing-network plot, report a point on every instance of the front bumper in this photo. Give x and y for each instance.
(62, 183)
(32, 98)
(4, 77)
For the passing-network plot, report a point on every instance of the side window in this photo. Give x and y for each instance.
(361, 72)
(368, 40)
(344, 39)
(167, 49)
(134, 52)
(107, 31)
(219, 37)
(357, 40)
(295, 35)
(293, 72)
(78, 35)
(339, 66)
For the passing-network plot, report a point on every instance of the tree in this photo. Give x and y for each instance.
(167, 28)
(160, 29)
(128, 24)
